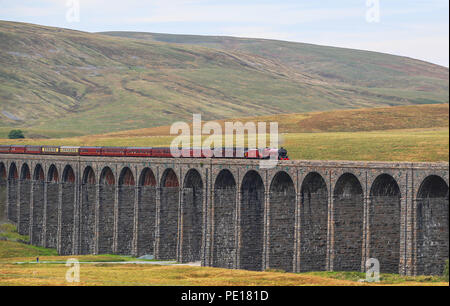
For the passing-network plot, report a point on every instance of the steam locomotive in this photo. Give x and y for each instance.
(161, 152)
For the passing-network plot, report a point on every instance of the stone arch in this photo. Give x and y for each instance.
(38, 174)
(2, 171)
(192, 217)
(252, 221)
(53, 175)
(384, 223)
(51, 226)
(125, 219)
(107, 193)
(282, 222)
(24, 200)
(313, 223)
(224, 248)
(146, 212)
(37, 219)
(68, 175)
(348, 223)
(13, 178)
(68, 190)
(432, 226)
(3, 179)
(87, 216)
(170, 195)
(25, 173)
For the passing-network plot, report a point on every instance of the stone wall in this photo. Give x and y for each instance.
(169, 223)
(313, 224)
(24, 207)
(67, 218)
(106, 219)
(3, 205)
(51, 215)
(37, 220)
(146, 222)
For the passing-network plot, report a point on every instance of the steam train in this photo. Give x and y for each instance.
(165, 152)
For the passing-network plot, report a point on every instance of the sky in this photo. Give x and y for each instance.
(413, 28)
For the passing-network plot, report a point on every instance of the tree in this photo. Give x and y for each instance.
(16, 134)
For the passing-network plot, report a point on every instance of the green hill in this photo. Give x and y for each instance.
(57, 82)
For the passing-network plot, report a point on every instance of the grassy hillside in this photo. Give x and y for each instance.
(383, 75)
(405, 133)
(60, 83)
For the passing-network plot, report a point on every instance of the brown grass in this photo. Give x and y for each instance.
(366, 119)
(103, 274)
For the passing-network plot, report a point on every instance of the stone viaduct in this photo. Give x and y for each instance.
(300, 216)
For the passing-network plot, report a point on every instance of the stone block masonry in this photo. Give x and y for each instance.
(299, 216)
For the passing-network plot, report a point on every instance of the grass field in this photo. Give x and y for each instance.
(155, 275)
(18, 267)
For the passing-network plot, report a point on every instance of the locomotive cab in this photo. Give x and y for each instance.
(282, 154)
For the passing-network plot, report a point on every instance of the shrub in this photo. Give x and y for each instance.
(16, 134)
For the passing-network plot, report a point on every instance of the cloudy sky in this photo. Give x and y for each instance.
(414, 28)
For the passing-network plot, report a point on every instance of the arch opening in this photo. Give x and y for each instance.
(107, 191)
(146, 213)
(87, 218)
(282, 222)
(314, 223)
(127, 197)
(224, 249)
(348, 223)
(432, 226)
(384, 223)
(192, 221)
(51, 226)
(37, 221)
(68, 175)
(252, 222)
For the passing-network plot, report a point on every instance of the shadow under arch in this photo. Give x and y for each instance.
(146, 213)
(127, 195)
(224, 225)
(282, 222)
(87, 217)
(252, 222)
(192, 217)
(432, 226)
(384, 223)
(168, 225)
(348, 223)
(107, 192)
(313, 223)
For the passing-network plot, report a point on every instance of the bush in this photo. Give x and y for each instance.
(446, 270)
(16, 134)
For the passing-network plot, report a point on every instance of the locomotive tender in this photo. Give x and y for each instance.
(161, 152)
